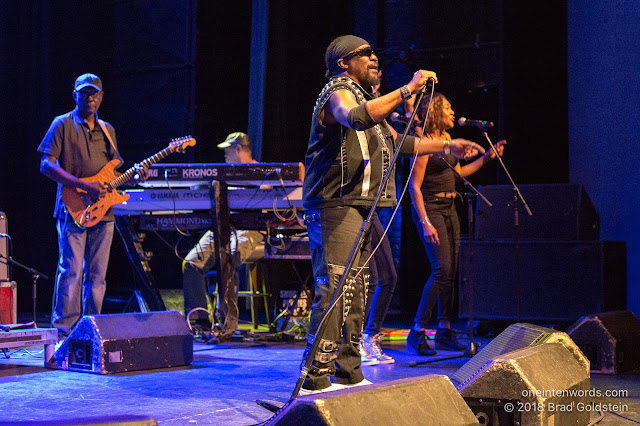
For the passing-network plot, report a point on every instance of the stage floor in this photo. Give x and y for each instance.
(219, 388)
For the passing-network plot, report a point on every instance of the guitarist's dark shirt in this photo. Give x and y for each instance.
(80, 151)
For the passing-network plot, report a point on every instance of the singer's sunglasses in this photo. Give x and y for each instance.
(363, 51)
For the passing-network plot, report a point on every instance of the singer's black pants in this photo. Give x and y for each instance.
(332, 236)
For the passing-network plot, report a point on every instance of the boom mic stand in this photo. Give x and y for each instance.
(34, 276)
(517, 196)
(472, 348)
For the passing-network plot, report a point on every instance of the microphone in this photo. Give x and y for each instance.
(398, 118)
(4, 235)
(430, 81)
(475, 123)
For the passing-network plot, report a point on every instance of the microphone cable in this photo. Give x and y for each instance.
(404, 190)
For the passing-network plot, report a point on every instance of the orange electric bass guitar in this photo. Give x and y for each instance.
(87, 211)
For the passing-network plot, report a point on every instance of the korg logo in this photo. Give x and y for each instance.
(153, 172)
(199, 173)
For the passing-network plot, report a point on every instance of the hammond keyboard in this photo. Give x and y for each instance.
(258, 221)
(256, 174)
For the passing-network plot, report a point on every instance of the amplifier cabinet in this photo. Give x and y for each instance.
(4, 249)
(560, 212)
(559, 280)
(8, 303)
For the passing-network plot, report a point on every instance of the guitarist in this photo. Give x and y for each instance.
(77, 145)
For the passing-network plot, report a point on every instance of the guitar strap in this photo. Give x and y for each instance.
(113, 145)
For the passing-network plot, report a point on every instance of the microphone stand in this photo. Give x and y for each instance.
(34, 276)
(364, 231)
(517, 196)
(472, 348)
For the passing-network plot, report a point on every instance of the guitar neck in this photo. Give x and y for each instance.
(128, 175)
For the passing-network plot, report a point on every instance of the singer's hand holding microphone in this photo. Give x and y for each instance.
(420, 79)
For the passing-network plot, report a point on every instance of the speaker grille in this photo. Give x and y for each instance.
(516, 336)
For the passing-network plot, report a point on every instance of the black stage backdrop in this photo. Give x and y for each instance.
(182, 67)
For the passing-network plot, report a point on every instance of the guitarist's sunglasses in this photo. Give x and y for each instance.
(87, 93)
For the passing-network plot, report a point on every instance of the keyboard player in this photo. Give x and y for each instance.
(201, 258)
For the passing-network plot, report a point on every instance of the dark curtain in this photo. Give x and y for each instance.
(43, 52)
(45, 46)
(298, 37)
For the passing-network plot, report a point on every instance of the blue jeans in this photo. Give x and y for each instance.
(443, 258)
(332, 235)
(382, 280)
(82, 267)
(201, 259)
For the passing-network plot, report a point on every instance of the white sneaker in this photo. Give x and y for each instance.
(333, 387)
(366, 359)
(364, 382)
(371, 345)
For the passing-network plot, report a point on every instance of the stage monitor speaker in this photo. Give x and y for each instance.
(117, 343)
(4, 249)
(515, 337)
(559, 280)
(426, 400)
(560, 212)
(545, 384)
(610, 340)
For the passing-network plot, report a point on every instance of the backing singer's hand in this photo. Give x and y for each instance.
(465, 149)
(499, 147)
(430, 233)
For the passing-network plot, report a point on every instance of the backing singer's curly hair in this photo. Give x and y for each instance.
(435, 114)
